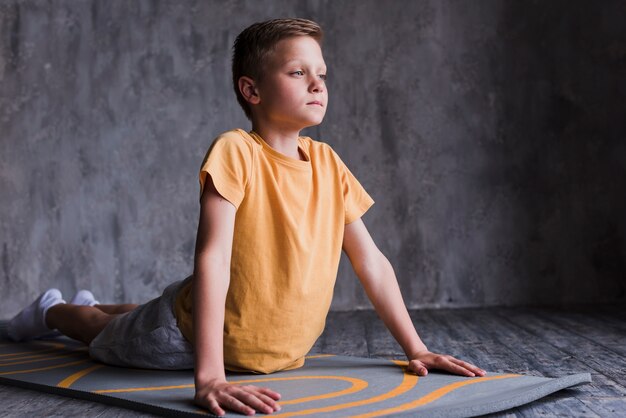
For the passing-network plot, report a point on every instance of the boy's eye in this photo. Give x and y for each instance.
(298, 72)
(323, 76)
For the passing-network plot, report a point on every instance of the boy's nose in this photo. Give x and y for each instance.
(317, 85)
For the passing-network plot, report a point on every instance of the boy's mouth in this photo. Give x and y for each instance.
(315, 103)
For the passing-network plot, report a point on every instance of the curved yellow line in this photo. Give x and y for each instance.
(29, 354)
(57, 349)
(40, 369)
(408, 382)
(357, 386)
(52, 346)
(319, 356)
(70, 380)
(25, 353)
(433, 396)
(189, 386)
(44, 358)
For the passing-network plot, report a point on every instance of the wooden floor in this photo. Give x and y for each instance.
(536, 341)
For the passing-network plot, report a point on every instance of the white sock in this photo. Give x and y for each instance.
(31, 321)
(84, 297)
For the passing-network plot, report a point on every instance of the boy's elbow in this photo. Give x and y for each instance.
(373, 266)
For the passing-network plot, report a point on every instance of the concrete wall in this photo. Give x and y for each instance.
(490, 133)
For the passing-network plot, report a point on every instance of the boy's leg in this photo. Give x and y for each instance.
(82, 319)
(116, 309)
(86, 298)
(82, 323)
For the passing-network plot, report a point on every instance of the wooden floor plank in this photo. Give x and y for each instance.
(607, 333)
(460, 339)
(581, 354)
(345, 335)
(607, 407)
(601, 385)
(538, 355)
(559, 405)
(429, 332)
(571, 343)
(614, 314)
(380, 342)
(16, 400)
(475, 336)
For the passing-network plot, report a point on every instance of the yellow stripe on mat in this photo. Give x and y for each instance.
(433, 396)
(143, 389)
(41, 369)
(43, 358)
(357, 385)
(52, 346)
(27, 353)
(30, 354)
(408, 382)
(69, 381)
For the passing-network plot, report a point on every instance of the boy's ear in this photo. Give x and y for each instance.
(248, 90)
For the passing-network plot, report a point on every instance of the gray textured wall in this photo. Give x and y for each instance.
(490, 133)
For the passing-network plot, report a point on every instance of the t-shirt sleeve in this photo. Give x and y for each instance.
(356, 199)
(228, 161)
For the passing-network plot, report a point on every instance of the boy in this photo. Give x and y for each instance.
(276, 211)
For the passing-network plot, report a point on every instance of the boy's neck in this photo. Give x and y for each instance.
(284, 141)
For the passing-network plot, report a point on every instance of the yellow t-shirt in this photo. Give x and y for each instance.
(287, 243)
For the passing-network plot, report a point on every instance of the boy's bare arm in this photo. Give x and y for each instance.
(379, 281)
(210, 286)
(211, 280)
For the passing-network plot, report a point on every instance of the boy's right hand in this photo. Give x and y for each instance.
(216, 395)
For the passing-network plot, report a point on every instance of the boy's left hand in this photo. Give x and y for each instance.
(422, 361)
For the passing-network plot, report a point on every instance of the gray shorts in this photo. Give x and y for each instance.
(146, 337)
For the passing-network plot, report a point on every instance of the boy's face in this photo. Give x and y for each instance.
(292, 92)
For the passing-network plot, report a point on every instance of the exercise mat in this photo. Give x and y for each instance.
(327, 385)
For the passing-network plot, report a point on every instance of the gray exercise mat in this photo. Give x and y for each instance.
(328, 385)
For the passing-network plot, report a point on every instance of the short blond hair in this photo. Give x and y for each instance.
(255, 42)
